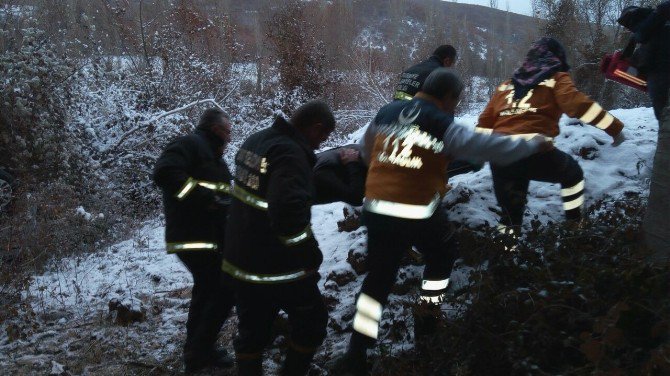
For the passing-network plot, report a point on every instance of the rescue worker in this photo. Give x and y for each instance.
(652, 32)
(412, 79)
(409, 145)
(339, 175)
(271, 253)
(532, 103)
(194, 180)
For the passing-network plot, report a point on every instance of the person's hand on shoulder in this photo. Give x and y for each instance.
(348, 155)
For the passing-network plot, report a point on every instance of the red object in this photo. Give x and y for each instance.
(617, 68)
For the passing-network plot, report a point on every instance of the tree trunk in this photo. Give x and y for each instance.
(656, 223)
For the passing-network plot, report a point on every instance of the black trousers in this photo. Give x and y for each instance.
(511, 184)
(389, 238)
(257, 309)
(211, 302)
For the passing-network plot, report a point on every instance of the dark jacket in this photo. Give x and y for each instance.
(335, 181)
(268, 237)
(412, 79)
(653, 57)
(185, 171)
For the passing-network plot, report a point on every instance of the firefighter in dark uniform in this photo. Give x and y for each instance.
(339, 175)
(409, 145)
(195, 180)
(412, 79)
(271, 253)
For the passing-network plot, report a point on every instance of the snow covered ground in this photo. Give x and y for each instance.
(76, 292)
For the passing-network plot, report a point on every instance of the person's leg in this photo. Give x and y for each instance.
(308, 317)
(256, 311)
(511, 188)
(556, 166)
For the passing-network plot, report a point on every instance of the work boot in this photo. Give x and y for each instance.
(249, 366)
(297, 363)
(194, 362)
(352, 363)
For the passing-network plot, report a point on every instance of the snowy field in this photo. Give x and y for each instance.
(71, 299)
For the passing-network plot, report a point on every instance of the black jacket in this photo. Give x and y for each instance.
(335, 181)
(268, 237)
(193, 213)
(412, 79)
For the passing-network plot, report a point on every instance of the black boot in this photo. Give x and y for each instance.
(297, 363)
(352, 363)
(249, 366)
(196, 361)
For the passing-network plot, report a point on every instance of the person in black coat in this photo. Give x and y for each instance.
(271, 254)
(194, 180)
(412, 79)
(339, 175)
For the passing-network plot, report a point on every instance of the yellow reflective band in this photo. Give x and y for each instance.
(402, 96)
(484, 130)
(369, 307)
(432, 299)
(293, 240)
(574, 203)
(592, 113)
(573, 190)
(249, 198)
(435, 285)
(187, 188)
(242, 275)
(366, 326)
(195, 246)
(395, 209)
(605, 122)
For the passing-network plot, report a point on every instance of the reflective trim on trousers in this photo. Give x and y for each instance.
(249, 198)
(432, 299)
(368, 315)
(191, 246)
(401, 95)
(592, 113)
(242, 275)
(577, 188)
(395, 209)
(435, 285)
(574, 204)
(297, 239)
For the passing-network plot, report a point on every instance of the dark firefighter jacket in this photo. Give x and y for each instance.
(268, 237)
(412, 79)
(336, 181)
(194, 181)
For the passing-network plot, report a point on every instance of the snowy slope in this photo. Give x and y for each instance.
(139, 272)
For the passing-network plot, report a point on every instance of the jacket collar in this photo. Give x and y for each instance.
(283, 126)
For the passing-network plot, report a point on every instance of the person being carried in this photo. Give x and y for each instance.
(409, 145)
(339, 175)
(195, 181)
(532, 103)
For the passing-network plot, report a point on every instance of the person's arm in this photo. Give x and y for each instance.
(288, 195)
(577, 105)
(330, 188)
(171, 173)
(462, 143)
(367, 142)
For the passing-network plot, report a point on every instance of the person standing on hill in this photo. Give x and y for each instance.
(271, 253)
(412, 79)
(195, 181)
(532, 103)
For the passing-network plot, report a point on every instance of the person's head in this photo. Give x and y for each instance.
(315, 121)
(550, 49)
(632, 16)
(447, 55)
(217, 123)
(445, 86)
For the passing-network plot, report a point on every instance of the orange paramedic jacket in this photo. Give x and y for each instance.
(541, 109)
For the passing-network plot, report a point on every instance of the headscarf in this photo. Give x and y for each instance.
(545, 58)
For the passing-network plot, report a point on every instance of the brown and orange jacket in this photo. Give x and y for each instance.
(540, 110)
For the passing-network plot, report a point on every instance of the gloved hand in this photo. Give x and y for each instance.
(618, 139)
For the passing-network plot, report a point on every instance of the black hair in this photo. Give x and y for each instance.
(311, 113)
(632, 16)
(443, 81)
(445, 51)
(210, 117)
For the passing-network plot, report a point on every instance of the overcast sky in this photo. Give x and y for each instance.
(516, 6)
